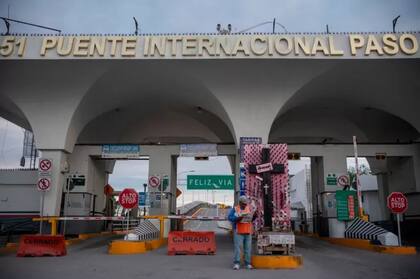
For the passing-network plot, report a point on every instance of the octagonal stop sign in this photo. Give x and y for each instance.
(128, 198)
(397, 202)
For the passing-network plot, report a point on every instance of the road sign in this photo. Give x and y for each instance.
(332, 180)
(44, 183)
(128, 198)
(120, 151)
(198, 150)
(144, 199)
(343, 180)
(346, 203)
(45, 167)
(247, 140)
(45, 164)
(154, 181)
(397, 202)
(210, 182)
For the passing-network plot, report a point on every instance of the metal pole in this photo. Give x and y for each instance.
(42, 212)
(66, 205)
(128, 219)
(145, 199)
(359, 190)
(399, 229)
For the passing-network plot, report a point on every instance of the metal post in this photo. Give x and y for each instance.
(66, 205)
(128, 219)
(359, 190)
(399, 230)
(145, 199)
(42, 212)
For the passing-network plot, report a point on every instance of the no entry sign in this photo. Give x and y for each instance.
(343, 180)
(44, 183)
(128, 198)
(154, 181)
(397, 202)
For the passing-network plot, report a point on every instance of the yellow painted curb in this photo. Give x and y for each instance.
(12, 245)
(125, 247)
(366, 245)
(154, 244)
(72, 241)
(8, 249)
(354, 243)
(276, 262)
(395, 250)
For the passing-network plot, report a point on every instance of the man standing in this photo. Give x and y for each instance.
(241, 218)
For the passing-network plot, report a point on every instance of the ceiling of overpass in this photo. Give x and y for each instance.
(151, 105)
(375, 100)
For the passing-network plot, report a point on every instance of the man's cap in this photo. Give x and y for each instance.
(243, 199)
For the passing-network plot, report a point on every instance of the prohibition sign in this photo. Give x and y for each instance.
(343, 180)
(44, 184)
(154, 181)
(45, 165)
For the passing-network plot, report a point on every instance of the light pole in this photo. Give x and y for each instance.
(145, 198)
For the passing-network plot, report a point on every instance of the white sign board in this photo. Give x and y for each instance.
(282, 239)
(264, 167)
(198, 150)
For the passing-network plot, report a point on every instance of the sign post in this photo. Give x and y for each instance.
(128, 199)
(398, 204)
(44, 184)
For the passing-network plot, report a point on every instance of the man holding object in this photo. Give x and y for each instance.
(241, 218)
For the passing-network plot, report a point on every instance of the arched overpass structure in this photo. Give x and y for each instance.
(312, 91)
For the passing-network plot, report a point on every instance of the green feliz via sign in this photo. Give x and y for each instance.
(210, 182)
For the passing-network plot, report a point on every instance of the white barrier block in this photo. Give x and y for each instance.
(388, 239)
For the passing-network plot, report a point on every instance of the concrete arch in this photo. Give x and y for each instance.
(142, 88)
(381, 109)
(11, 112)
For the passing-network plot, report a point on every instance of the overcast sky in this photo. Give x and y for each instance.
(164, 16)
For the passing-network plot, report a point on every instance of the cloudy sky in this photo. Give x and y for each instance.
(165, 16)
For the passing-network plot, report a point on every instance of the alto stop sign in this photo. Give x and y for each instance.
(397, 202)
(128, 198)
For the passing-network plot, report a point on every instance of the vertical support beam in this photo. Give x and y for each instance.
(52, 202)
(334, 162)
(160, 163)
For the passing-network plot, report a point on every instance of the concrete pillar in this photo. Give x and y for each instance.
(416, 164)
(334, 162)
(380, 169)
(52, 199)
(161, 164)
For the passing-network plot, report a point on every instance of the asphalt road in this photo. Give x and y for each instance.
(89, 259)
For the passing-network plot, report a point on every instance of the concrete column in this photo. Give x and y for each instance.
(334, 162)
(416, 164)
(161, 164)
(52, 200)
